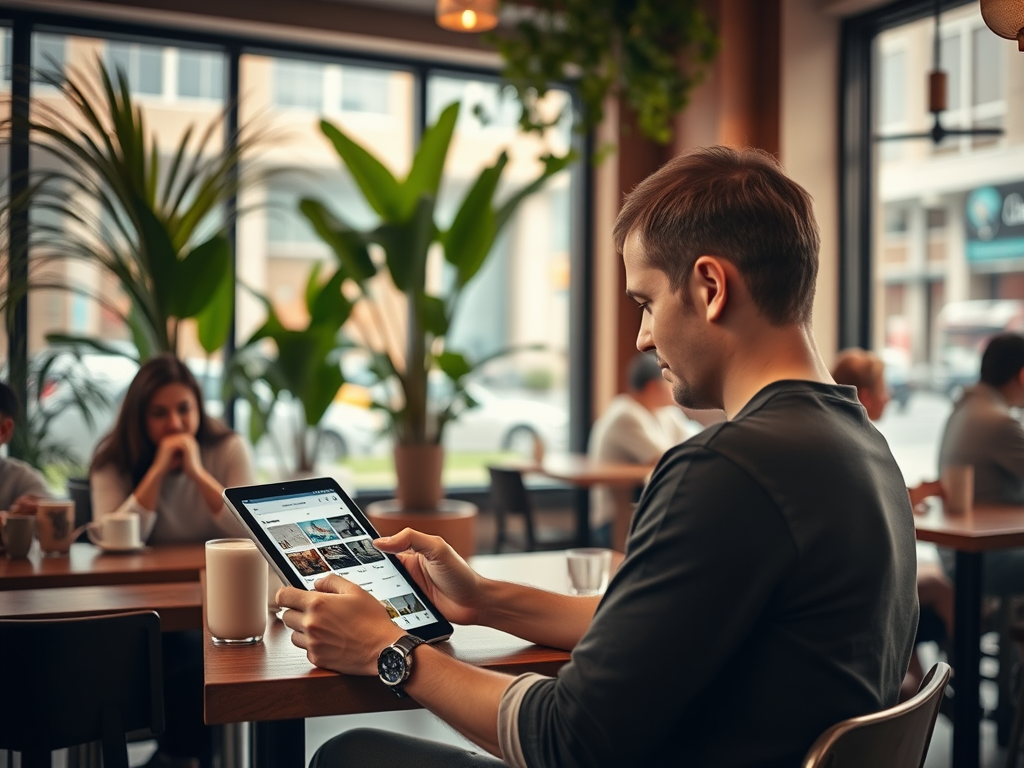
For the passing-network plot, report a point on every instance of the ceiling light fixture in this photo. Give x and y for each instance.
(1005, 18)
(467, 15)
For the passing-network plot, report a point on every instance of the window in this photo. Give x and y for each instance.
(945, 244)
(298, 84)
(47, 56)
(200, 75)
(143, 65)
(365, 90)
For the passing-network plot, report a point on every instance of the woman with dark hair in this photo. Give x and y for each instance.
(168, 461)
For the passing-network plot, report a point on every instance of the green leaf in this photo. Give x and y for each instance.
(330, 308)
(215, 319)
(433, 315)
(454, 365)
(348, 244)
(88, 342)
(198, 276)
(406, 246)
(428, 164)
(471, 235)
(378, 185)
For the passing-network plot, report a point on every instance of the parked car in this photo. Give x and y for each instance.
(963, 329)
(507, 423)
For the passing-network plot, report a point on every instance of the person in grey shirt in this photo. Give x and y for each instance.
(21, 485)
(983, 432)
(767, 590)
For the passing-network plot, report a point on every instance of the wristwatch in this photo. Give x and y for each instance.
(394, 664)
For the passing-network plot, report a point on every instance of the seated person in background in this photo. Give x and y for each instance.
(983, 432)
(637, 428)
(168, 461)
(21, 485)
(866, 371)
(767, 590)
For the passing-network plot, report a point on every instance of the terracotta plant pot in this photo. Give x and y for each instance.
(419, 476)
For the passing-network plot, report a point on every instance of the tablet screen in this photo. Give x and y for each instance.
(310, 532)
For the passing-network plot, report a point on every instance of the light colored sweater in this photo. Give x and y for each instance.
(19, 479)
(181, 516)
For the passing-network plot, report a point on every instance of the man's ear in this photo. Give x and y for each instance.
(711, 285)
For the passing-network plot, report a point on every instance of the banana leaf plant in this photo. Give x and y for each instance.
(103, 191)
(406, 233)
(306, 363)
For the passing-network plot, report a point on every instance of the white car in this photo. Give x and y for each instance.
(501, 423)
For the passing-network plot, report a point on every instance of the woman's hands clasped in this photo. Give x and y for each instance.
(178, 451)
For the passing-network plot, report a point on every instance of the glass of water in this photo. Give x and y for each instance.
(589, 570)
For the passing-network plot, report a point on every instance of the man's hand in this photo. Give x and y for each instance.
(341, 626)
(454, 587)
(922, 491)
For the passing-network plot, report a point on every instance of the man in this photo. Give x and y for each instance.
(983, 432)
(768, 586)
(21, 486)
(865, 371)
(637, 428)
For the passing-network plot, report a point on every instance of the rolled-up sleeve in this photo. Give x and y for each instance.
(508, 719)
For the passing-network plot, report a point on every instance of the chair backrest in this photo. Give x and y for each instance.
(509, 496)
(897, 737)
(80, 491)
(74, 681)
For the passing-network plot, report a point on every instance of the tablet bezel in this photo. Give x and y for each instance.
(439, 630)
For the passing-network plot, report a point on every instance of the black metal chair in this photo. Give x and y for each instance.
(75, 681)
(510, 497)
(897, 737)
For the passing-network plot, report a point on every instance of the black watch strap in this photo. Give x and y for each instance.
(405, 645)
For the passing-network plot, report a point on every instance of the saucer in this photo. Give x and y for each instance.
(111, 550)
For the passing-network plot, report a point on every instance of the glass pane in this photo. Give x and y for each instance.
(278, 249)
(521, 296)
(200, 75)
(92, 303)
(948, 261)
(893, 102)
(47, 56)
(298, 84)
(988, 68)
(365, 90)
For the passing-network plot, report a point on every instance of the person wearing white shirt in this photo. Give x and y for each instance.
(637, 428)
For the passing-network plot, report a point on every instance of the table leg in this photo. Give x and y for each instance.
(581, 503)
(967, 658)
(279, 744)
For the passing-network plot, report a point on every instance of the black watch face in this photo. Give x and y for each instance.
(391, 666)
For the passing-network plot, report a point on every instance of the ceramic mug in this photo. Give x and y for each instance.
(17, 532)
(55, 526)
(116, 532)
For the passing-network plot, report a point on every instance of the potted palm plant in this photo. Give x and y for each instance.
(106, 193)
(408, 355)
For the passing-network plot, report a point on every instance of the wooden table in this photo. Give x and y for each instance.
(987, 528)
(89, 566)
(581, 471)
(273, 685)
(180, 604)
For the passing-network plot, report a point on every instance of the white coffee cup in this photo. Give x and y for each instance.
(958, 488)
(119, 531)
(236, 591)
(590, 569)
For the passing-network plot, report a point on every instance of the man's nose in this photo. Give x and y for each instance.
(644, 340)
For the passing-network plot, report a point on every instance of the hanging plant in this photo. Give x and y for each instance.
(648, 53)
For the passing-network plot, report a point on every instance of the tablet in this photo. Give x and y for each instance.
(310, 528)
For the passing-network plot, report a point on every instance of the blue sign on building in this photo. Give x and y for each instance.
(995, 223)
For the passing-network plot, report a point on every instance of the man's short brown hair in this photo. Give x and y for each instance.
(735, 204)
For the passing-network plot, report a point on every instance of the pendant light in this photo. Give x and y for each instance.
(1005, 18)
(467, 15)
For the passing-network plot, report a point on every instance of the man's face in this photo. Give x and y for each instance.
(673, 327)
